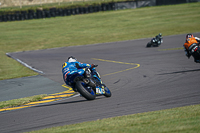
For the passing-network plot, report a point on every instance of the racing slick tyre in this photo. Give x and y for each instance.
(107, 92)
(89, 94)
(148, 44)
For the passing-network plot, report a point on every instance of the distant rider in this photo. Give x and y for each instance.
(188, 45)
(159, 38)
(71, 68)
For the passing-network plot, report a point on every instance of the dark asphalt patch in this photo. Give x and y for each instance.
(28, 86)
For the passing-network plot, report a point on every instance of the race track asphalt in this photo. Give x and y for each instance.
(141, 79)
(28, 86)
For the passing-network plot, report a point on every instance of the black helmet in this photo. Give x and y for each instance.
(71, 59)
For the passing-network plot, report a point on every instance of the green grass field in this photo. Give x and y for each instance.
(99, 28)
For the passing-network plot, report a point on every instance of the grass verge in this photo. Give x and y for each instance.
(176, 120)
(21, 101)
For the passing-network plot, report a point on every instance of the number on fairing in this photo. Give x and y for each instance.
(99, 91)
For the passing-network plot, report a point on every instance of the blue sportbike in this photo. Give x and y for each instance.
(89, 84)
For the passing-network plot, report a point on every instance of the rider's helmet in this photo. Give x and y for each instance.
(71, 59)
(160, 34)
(189, 36)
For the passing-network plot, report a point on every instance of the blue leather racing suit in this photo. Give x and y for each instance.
(69, 69)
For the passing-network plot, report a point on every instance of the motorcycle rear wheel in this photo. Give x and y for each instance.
(84, 92)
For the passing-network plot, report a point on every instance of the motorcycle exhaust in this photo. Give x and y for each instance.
(89, 82)
(86, 81)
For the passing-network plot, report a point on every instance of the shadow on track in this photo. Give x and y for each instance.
(180, 72)
(71, 102)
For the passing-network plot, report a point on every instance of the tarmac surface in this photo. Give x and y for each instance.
(28, 86)
(141, 80)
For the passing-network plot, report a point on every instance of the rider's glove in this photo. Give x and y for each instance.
(93, 65)
(77, 66)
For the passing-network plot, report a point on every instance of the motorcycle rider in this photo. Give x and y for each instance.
(159, 38)
(156, 41)
(188, 45)
(73, 67)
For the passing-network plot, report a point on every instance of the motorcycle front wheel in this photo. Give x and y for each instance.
(107, 92)
(87, 93)
(148, 44)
